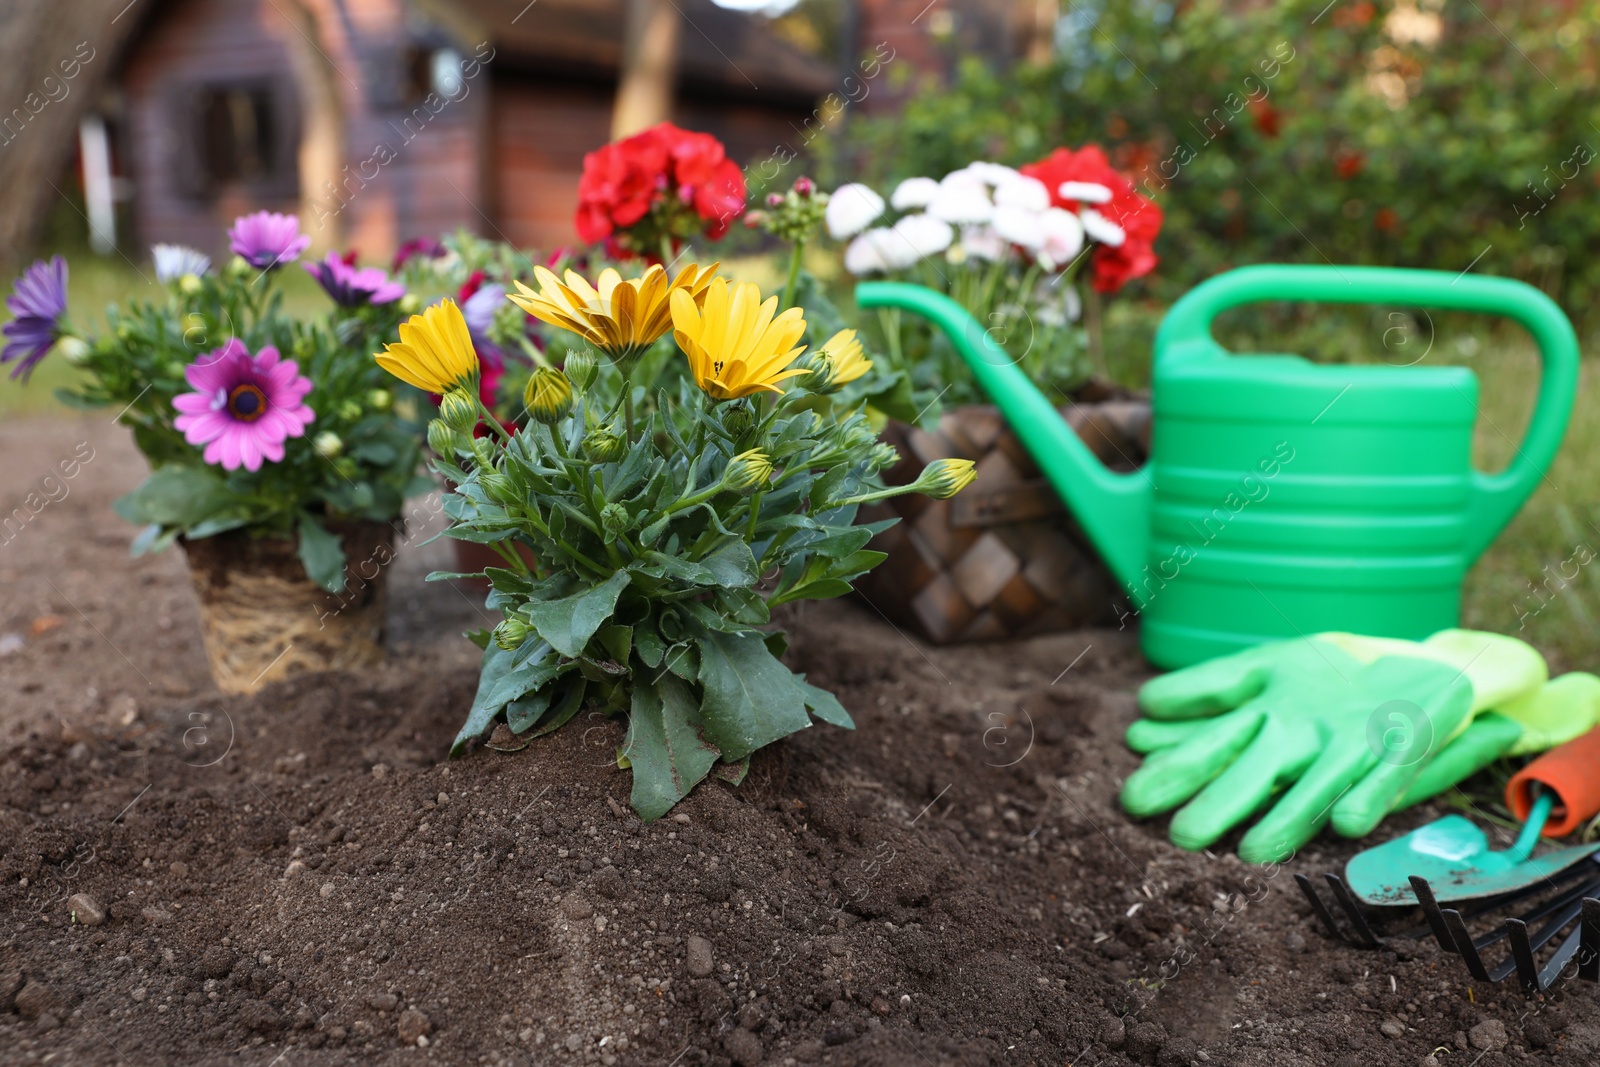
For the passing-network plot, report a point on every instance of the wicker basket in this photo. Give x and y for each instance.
(1003, 558)
(262, 619)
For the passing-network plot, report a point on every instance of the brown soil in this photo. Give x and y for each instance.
(299, 877)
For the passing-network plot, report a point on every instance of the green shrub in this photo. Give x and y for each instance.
(1303, 132)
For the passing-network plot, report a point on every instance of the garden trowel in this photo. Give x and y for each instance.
(1553, 795)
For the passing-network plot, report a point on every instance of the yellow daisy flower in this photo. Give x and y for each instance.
(844, 352)
(734, 344)
(434, 352)
(619, 317)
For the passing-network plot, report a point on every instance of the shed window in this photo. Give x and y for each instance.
(239, 137)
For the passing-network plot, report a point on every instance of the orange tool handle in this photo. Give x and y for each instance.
(1570, 771)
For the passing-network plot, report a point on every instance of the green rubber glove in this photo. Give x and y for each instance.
(1342, 725)
(1562, 709)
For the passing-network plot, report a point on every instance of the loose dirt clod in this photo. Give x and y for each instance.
(412, 1025)
(1489, 1035)
(85, 910)
(697, 956)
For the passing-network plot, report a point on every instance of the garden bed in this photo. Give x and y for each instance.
(299, 876)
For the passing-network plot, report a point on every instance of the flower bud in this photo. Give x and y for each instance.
(328, 444)
(804, 186)
(747, 472)
(774, 199)
(72, 349)
(548, 396)
(444, 441)
(604, 445)
(819, 371)
(614, 519)
(510, 634)
(882, 457)
(350, 410)
(581, 369)
(459, 411)
(498, 487)
(409, 304)
(380, 400)
(738, 417)
(239, 268)
(189, 284)
(944, 478)
(856, 436)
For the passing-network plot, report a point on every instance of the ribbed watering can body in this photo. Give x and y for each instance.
(1285, 497)
(1291, 498)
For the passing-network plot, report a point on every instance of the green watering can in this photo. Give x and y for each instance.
(1285, 498)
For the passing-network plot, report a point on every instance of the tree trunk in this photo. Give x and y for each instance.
(1039, 31)
(55, 59)
(322, 194)
(649, 66)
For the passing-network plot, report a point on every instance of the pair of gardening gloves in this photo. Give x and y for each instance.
(1341, 730)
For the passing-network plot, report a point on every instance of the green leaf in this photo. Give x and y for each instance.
(568, 623)
(375, 452)
(673, 567)
(824, 589)
(215, 525)
(751, 700)
(647, 645)
(617, 640)
(504, 677)
(666, 746)
(731, 565)
(524, 712)
(176, 496)
(563, 709)
(322, 553)
(152, 539)
(825, 706)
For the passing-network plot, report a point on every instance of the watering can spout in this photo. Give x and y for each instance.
(1113, 508)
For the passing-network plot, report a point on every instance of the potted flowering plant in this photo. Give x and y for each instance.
(669, 509)
(279, 460)
(1015, 247)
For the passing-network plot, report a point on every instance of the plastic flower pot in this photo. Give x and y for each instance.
(264, 620)
(1004, 558)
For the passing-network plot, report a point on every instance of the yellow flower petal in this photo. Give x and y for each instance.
(434, 352)
(843, 350)
(621, 315)
(734, 342)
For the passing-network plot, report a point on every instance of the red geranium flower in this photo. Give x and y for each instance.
(653, 181)
(1139, 217)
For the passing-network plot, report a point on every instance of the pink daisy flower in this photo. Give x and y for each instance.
(243, 408)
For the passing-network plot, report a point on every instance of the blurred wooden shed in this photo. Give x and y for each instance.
(381, 120)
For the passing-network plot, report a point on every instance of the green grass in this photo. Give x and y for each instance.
(1561, 619)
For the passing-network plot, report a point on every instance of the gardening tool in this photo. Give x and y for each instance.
(1284, 497)
(1554, 794)
(1452, 854)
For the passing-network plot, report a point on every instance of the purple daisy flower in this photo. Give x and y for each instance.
(354, 286)
(267, 239)
(243, 408)
(37, 305)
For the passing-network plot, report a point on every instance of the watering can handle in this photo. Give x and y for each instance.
(1186, 333)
